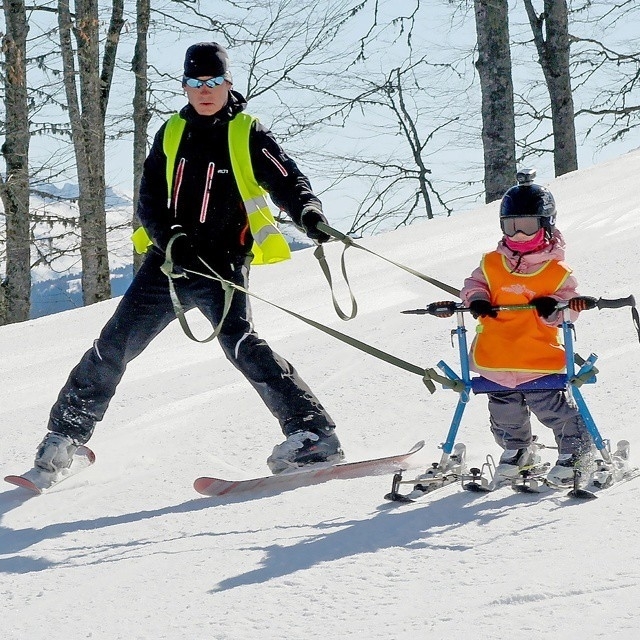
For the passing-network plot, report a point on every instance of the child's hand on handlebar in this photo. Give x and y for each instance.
(545, 305)
(482, 308)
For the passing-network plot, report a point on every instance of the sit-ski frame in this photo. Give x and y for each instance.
(570, 381)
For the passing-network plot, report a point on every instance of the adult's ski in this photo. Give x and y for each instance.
(305, 476)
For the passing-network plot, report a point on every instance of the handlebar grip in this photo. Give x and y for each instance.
(617, 303)
(443, 309)
(579, 303)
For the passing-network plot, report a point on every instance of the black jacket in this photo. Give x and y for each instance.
(214, 217)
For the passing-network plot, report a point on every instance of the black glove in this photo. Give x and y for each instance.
(482, 308)
(183, 253)
(545, 305)
(309, 219)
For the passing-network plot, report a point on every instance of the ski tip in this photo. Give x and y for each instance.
(19, 481)
(417, 446)
(202, 484)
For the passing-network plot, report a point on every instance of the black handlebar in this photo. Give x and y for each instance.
(616, 303)
(447, 308)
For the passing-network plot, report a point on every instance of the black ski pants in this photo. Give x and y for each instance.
(144, 311)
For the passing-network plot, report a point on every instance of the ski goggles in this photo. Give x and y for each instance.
(212, 83)
(525, 224)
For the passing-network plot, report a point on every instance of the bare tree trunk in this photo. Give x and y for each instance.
(141, 113)
(553, 52)
(496, 84)
(96, 284)
(87, 118)
(110, 50)
(14, 189)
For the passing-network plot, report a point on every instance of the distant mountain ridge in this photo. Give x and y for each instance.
(64, 293)
(70, 192)
(61, 293)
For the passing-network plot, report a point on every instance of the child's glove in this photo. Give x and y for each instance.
(545, 305)
(482, 309)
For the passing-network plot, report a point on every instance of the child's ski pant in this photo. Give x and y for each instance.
(511, 425)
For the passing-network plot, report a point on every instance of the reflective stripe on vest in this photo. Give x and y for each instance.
(519, 340)
(269, 244)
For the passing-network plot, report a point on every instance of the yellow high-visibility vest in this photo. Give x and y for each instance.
(269, 245)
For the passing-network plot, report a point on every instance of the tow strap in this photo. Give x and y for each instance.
(428, 375)
(349, 242)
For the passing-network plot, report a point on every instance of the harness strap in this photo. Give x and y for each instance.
(167, 269)
(324, 265)
(348, 242)
(429, 376)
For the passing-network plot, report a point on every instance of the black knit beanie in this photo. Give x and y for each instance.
(207, 59)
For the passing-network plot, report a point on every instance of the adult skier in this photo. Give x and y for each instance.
(203, 185)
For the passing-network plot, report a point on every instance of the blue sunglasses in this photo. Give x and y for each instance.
(194, 83)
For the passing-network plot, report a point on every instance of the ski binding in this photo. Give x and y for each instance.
(440, 474)
(38, 480)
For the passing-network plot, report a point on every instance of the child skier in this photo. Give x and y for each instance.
(515, 347)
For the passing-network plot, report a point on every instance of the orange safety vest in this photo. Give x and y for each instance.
(519, 340)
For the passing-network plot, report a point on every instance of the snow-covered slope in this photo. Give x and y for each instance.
(128, 550)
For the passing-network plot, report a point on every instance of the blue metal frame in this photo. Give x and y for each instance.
(569, 380)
